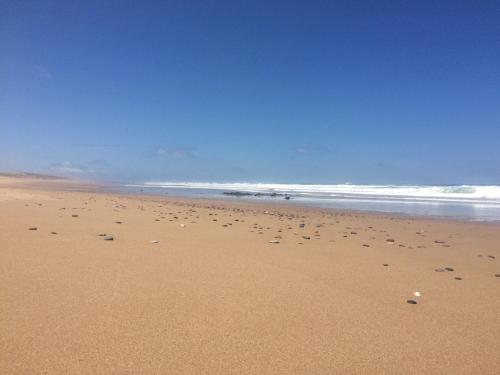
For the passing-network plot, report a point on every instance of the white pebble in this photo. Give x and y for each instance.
(417, 294)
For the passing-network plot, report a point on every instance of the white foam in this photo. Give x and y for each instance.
(449, 193)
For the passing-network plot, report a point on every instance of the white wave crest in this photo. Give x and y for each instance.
(467, 193)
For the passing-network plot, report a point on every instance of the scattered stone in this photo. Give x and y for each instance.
(386, 265)
(439, 270)
(449, 269)
(491, 256)
(439, 242)
(154, 241)
(366, 245)
(101, 234)
(411, 301)
(302, 225)
(53, 232)
(417, 294)
(108, 238)
(274, 241)
(183, 225)
(33, 228)
(390, 240)
(497, 275)
(306, 237)
(118, 222)
(458, 278)
(74, 215)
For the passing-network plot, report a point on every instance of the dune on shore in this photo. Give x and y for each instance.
(97, 282)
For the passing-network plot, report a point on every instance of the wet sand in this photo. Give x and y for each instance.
(217, 287)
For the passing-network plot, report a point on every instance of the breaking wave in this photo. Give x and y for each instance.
(443, 193)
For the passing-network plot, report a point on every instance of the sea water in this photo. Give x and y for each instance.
(466, 202)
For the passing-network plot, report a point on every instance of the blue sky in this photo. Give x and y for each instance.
(307, 92)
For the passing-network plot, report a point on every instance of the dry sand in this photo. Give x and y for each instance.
(214, 296)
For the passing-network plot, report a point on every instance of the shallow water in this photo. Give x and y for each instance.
(471, 203)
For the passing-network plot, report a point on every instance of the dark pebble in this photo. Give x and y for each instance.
(74, 215)
(53, 232)
(449, 269)
(411, 301)
(458, 278)
(108, 238)
(497, 275)
(33, 228)
(385, 265)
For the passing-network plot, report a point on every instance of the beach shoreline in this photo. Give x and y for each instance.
(55, 184)
(191, 285)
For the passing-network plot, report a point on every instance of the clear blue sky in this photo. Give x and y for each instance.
(285, 91)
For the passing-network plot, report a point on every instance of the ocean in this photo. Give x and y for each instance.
(463, 202)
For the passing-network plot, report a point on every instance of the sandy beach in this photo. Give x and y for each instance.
(94, 282)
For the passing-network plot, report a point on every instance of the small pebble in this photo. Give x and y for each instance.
(417, 294)
(154, 241)
(108, 238)
(53, 232)
(386, 265)
(274, 241)
(411, 302)
(449, 269)
(33, 228)
(458, 278)
(439, 270)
